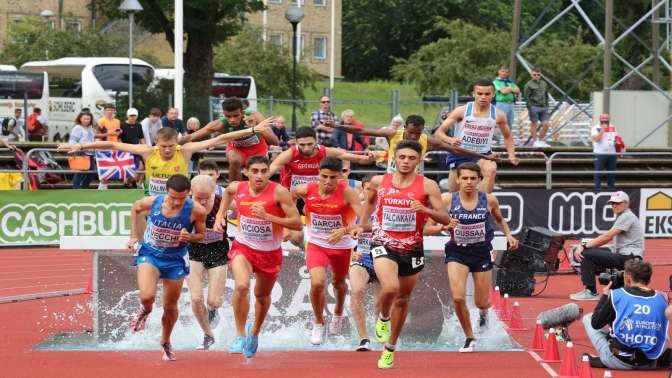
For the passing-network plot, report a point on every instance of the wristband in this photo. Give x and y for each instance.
(584, 245)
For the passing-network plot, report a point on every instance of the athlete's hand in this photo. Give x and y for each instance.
(455, 142)
(185, 236)
(453, 223)
(337, 235)
(514, 160)
(355, 232)
(67, 147)
(264, 125)
(132, 244)
(259, 211)
(356, 256)
(371, 156)
(219, 223)
(513, 242)
(418, 206)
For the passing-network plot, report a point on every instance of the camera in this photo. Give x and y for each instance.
(616, 277)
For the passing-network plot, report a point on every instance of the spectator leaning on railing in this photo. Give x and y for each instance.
(131, 133)
(83, 132)
(348, 141)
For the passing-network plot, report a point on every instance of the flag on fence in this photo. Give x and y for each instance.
(115, 165)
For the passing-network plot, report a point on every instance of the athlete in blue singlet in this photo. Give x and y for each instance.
(468, 250)
(173, 220)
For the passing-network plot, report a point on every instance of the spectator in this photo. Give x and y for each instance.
(628, 244)
(37, 126)
(323, 121)
(536, 96)
(505, 93)
(281, 132)
(151, 125)
(83, 132)
(15, 127)
(131, 133)
(171, 120)
(349, 141)
(193, 125)
(604, 148)
(109, 127)
(637, 318)
(396, 123)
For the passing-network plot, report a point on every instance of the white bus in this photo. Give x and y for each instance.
(76, 83)
(24, 90)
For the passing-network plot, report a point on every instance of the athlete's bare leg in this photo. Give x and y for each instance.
(171, 294)
(235, 165)
(457, 279)
(318, 278)
(262, 292)
(489, 171)
(216, 285)
(359, 279)
(400, 307)
(387, 272)
(195, 284)
(482, 284)
(148, 278)
(242, 269)
(340, 291)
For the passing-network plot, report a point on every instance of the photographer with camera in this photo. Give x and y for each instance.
(638, 318)
(628, 244)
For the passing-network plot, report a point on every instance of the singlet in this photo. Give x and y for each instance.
(302, 170)
(398, 137)
(162, 234)
(476, 132)
(396, 225)
(324, 215)
(158, 171)
(213, 241)
(640, 322)
(364, 247)
(258, 234)
(247, 141)
(475, 227)
(219, 191)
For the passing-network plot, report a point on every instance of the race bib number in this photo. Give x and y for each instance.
(378, 251)
(162, 237)
(212, 236)
(468, 234)
(255, 229)
(245, 142)
(157, 186)
(398, 219)
(324, 225)
(364, 243)
(299, 180)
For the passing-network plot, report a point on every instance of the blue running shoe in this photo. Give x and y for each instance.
(237, 345)
(251, 343)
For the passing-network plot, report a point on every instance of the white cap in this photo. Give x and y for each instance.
(132, 112)
(619, 197)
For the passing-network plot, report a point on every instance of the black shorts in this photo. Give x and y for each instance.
(372, 273)
(478, 259)
(409, 263)
(300, 203)
(210, 255)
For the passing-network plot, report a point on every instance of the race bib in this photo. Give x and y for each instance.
(212, 236)
(299, 180)
(468, 234)
(254, 229)
(162, 237)
(364, 243)
(398, 219)
(245, 142)
(324, 225)
(378, 251)
(157, 186)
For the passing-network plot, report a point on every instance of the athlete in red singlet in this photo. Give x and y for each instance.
(264, 208)
(331, 208)
(400, 201)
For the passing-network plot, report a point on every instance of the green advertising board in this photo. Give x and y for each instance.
(42, 217)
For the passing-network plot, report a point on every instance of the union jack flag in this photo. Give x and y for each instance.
(115, 165)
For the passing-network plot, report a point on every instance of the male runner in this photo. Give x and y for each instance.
(469, 247)
(476, 122)
(210, 256)
(241, 148)
(264, 208)
(400, 201)
(330, 207)
(210, 168)
(171, 218)
(167, 157)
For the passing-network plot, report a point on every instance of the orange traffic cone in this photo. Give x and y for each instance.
(565, 265)
(568, 369)
(89, 285)
(538, 339)
(585, 368)
(516, 323)
(551, 353)
(505, 309)
(494, 298)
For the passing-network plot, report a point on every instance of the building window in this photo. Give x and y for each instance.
(276, 40)
(274, 1)
(296, 2)
(73, 26)
(320, 3)
(320, 47)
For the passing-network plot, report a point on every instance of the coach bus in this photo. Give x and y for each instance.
(24, 90)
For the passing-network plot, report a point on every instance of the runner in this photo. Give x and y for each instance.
(400, 201)
(242, 147)
(468, 250)
(167, 157)
(354, 184)
(331, 207)
(210, 168)
(208, 256)
(362, 274)
(412, 130)
(476, 122)
(171, 218)
(264, 208)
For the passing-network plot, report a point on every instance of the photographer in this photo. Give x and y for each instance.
(638, 318)
(628, 244)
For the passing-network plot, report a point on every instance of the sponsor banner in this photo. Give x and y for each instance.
(655, 212)
(42, 217)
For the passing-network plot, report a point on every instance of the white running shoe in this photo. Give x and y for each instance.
(317, 335)
(469, 345)
(336, 324)
(364, 345)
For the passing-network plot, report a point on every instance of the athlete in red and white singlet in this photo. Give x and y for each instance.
(264, 209)
(302, 169)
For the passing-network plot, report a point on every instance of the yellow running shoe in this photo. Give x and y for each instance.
(386, 360)
(382, 330)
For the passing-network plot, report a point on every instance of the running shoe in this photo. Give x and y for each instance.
(483, 319)
(207, 343)
(139, 320)
(251, 343)
(386, 360)
(585, 295)
(382, 330)
(213, 318)
(167, 352)
(317, 335)
(237, 345)
(469, 345)
(336, 324)
(364, 345)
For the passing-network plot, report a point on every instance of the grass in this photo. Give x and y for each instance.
(371, 102)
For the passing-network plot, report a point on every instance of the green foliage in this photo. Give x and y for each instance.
(33, 39)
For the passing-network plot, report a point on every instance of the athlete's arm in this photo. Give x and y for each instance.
(370, 198)
(137, 149)
(454, 117)
(493, 204)
(291, 220)
(355, 158)
(227, 200)
(139, 209)
(437, 211)
(198, 219)
(211, 127)
(437, 144)
(284, 158)
(386, 133)
(299, 191)
(268, 133)
(503, 125)
(352, 199)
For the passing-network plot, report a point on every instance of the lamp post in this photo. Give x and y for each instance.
(130, 7)
(294, 15)
(46, 15)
